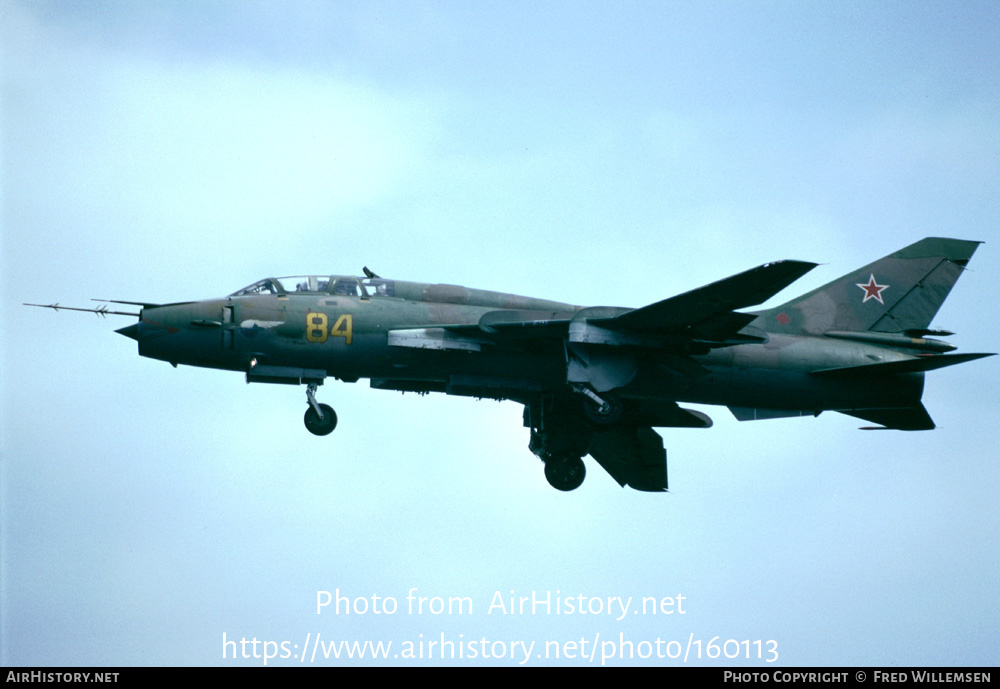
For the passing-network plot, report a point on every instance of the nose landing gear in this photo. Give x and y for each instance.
(320, 419)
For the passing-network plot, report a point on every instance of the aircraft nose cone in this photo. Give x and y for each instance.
(130, 331)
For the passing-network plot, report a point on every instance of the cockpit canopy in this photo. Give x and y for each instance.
(320, 284)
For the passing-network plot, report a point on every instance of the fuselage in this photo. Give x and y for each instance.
(352, 328)
(593, 381)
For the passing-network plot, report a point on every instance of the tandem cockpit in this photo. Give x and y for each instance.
(319, 285)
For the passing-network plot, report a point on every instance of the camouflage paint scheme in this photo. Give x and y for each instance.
(592, 380)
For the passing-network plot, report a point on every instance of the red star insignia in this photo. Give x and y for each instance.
(873, 290)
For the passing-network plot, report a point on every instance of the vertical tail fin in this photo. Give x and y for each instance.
(900, 292)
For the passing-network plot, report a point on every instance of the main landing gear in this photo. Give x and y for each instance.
(563, 427)
(565, 472)
(320, 419)
(560, 438)
(603, 410)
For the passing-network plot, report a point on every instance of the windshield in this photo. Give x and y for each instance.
(267, 286)
(320, 284)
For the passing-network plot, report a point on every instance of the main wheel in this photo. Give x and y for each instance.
(318, 426)
(603, 415)
(565, 473)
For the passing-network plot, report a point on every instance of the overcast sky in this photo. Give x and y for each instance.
(588, 152)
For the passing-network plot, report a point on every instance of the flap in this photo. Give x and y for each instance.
(634, 456)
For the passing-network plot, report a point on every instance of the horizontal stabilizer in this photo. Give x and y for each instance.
(906, 419)
(634, 456)
(915, 365)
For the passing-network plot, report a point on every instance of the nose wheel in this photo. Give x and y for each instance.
(320, 419)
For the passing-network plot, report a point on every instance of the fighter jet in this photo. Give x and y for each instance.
(593, 380)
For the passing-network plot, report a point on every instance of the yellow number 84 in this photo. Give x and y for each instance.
(316, 327)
